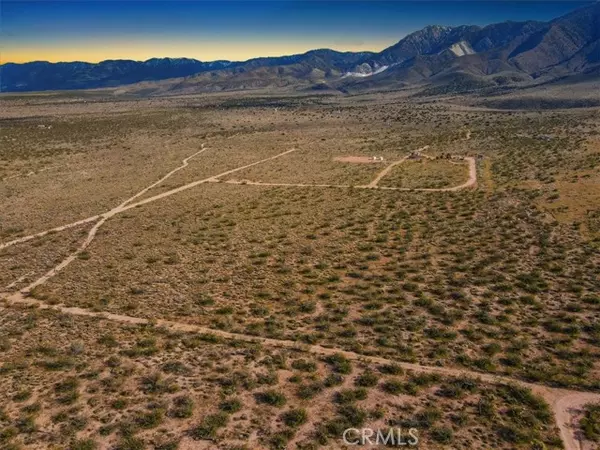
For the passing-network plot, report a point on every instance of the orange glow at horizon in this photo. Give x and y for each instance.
(140, 51)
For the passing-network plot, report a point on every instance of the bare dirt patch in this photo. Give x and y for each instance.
(358, 159)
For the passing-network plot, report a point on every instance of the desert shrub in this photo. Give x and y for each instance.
(209, 426)
(26, 424)
(425, 418)
(391, 369)
(22, 395)
(590, 423)
(294, 417)
(269, 378)
(353, 415)
(443, 435)
(339, 363)
(150, 419)
(67, 390)
(511, 433)
(308, 391)
(457, 387)
(392, 386)
(350, 395)
(8, 433)
(231, 405)
(272, 398)
(61, 363)
(175, 367)
(333, 379)
(155, 383)
(279, 440)
(304, 365)
(517, 395)
(166, 444)
(183, 407)
(119, 404)
(367, 379)
(307, 307)
(131, 443)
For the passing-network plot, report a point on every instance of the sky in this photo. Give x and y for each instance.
(88, 30)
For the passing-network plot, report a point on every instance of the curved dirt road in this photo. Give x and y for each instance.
(472, 176)
(183, 165)
(387, 170)
(562, 401)
(566, 409)
(126, 205)
(472, 180)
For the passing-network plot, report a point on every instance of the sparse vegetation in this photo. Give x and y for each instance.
(501, 279)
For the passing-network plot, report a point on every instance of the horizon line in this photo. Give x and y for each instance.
(192, 59)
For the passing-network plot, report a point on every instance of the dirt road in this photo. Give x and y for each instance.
(124, 206)
(472, 180)
(563, 402)
(387, 170)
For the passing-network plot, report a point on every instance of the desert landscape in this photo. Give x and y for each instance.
(299, 225)
(205, 272)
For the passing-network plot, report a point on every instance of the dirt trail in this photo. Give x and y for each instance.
(52, 230)
(470, 182)
(260, 183)
(566, 409)
(472, 175)
(17, 281)
(69, 259)
(126, 205)
(183, 165)
(562, 401)
(205, 180)
(373, 184)
(387, 170)
(19, 298)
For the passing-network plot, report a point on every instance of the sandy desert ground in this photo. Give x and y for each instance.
(235, 271)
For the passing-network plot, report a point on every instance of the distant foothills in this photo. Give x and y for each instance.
(440, 58)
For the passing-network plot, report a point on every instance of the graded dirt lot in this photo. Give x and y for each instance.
(233, 274)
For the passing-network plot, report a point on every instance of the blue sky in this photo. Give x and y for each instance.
(236, 30)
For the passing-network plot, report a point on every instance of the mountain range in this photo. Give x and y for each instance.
(439, 58)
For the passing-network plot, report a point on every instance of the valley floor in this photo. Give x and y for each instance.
(202, 274)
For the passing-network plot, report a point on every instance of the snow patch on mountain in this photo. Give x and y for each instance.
(462, 48)
(365, 70)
